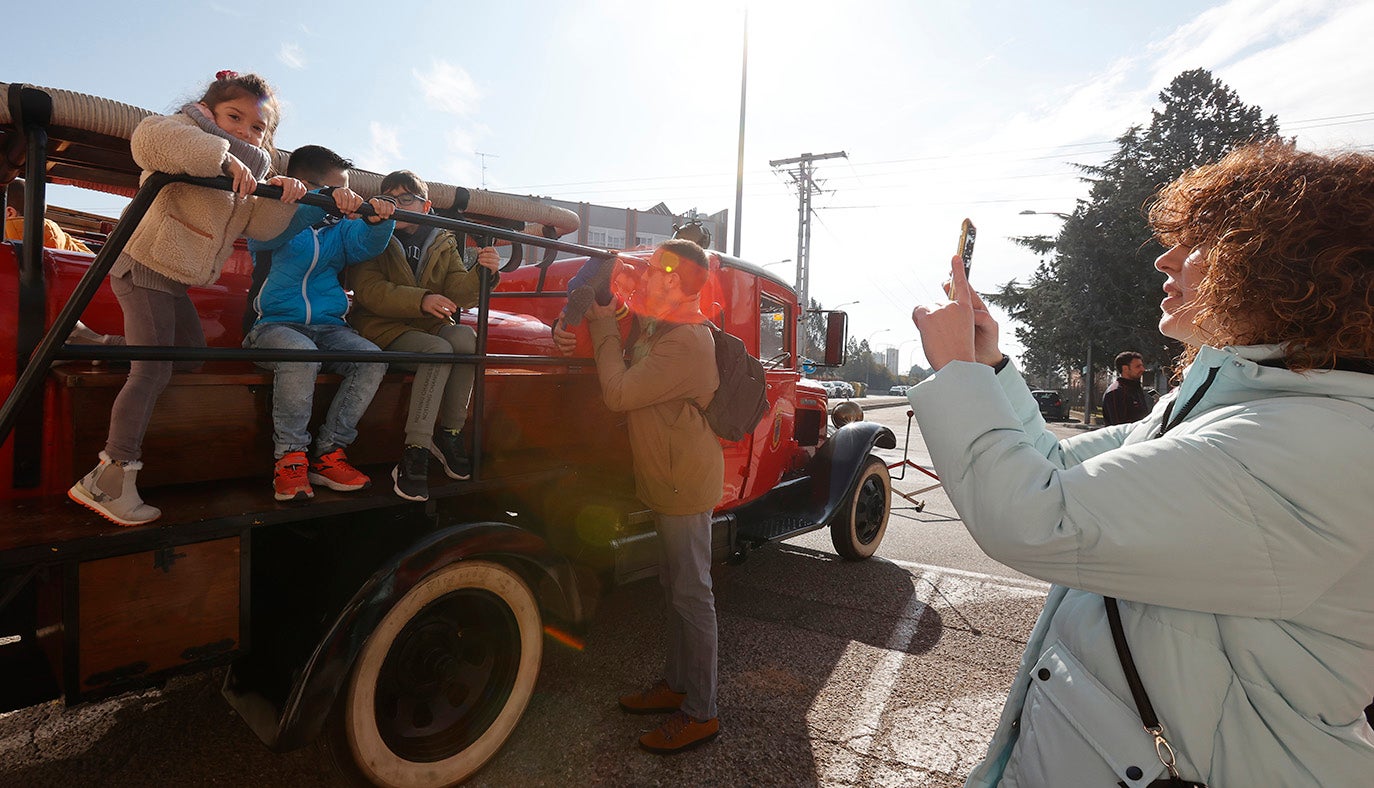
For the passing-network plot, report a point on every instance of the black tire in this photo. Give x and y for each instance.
(858, 530)
(441, 682)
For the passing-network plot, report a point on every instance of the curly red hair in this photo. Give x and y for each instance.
(1289, 244)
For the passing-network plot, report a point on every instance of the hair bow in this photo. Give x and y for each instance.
(226, 74)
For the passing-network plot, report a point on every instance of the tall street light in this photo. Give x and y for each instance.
(1029, 212)
(868, 368)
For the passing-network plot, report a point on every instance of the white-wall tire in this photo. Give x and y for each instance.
(436, 690)
(858, 530)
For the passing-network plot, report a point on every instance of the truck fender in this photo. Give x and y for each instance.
(816, 496)
(840, 460)
(318, 682)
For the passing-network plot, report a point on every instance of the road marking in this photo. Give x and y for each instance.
(885, 736)
(1020, 582)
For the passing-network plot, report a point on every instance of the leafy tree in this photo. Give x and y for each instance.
(1096, 284)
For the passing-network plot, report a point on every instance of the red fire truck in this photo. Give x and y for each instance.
(405, 637)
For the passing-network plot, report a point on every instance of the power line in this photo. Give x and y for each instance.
(1297, 125)
(806, 186)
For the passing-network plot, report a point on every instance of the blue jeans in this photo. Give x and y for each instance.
(293, 384)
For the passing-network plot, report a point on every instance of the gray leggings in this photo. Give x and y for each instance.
(440, 391)
(151, 317)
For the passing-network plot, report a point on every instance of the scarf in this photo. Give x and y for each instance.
(257, 160)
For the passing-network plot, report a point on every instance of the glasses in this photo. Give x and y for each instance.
(407, 200)
(665, 263)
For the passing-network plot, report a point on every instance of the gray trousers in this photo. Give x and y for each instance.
(685, 574)
(151, 317)
(440, 391)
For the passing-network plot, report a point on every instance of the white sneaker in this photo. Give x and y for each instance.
(93, 492)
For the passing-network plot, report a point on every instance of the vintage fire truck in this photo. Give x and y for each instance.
(404, 637)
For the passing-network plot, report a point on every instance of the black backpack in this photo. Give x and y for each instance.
(742, 400)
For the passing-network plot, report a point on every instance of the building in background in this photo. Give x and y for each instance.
(890, 361)
(606, 227)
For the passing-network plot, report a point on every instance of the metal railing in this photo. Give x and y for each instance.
(36, 355)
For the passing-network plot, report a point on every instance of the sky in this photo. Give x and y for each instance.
(944, 110)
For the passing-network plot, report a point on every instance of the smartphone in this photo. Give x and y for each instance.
(967, 234)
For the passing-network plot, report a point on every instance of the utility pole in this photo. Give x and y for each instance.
(739, 165)
(485, 156)
(806, 186)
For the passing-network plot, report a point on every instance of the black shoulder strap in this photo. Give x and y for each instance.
(1143, 707)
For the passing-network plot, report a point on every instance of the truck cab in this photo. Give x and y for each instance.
(403, 638)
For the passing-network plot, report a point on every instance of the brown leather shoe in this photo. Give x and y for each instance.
(679, 732)
(654, 700)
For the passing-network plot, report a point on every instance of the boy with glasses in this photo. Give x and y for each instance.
(406, 299)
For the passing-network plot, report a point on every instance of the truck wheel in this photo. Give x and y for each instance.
(859, 529)
(441, 682)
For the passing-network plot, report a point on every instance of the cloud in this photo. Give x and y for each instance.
(292, 55)
(383, 150)
(448, 88)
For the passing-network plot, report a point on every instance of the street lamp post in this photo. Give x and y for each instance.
(868, 368)
(1029, 212)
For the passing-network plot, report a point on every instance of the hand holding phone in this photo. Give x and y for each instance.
(967, 234)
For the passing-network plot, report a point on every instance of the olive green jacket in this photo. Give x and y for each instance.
(387, 294)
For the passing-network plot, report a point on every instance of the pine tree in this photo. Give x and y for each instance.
(1099, 285)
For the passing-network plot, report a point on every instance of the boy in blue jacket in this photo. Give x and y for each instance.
(300, 305)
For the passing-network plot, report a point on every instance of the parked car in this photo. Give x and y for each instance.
(899, 390)
(843, 389)
(1052, 406)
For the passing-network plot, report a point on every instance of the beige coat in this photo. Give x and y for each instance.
(679, 465)
(189, 231)
(387, 294)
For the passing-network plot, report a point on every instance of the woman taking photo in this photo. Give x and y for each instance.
(1231, 531)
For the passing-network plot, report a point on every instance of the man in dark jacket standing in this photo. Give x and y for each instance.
(1125, 401)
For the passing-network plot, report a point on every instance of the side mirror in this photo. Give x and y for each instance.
(836, 337)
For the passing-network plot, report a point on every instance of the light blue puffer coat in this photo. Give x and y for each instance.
(1241, 546)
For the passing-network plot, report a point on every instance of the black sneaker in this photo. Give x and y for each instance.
(448, 449)
(579, 301)
(412, 475)
(592, 283)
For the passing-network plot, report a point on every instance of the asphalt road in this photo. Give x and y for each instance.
(889, 671)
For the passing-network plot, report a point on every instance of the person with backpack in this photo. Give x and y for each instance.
(664, 378)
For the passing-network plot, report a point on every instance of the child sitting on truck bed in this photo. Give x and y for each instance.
(406, 300)
(301, 306)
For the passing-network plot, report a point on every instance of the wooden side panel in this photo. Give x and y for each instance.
(161, 609)
(206, 432)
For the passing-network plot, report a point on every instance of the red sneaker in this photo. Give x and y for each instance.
(289, 482)
(333, 470)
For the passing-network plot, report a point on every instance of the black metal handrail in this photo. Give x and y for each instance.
(51, 347)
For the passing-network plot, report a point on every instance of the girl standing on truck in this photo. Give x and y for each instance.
(187, 234)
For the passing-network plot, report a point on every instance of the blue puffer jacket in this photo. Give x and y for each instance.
(304, 263)
(1240, 545)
